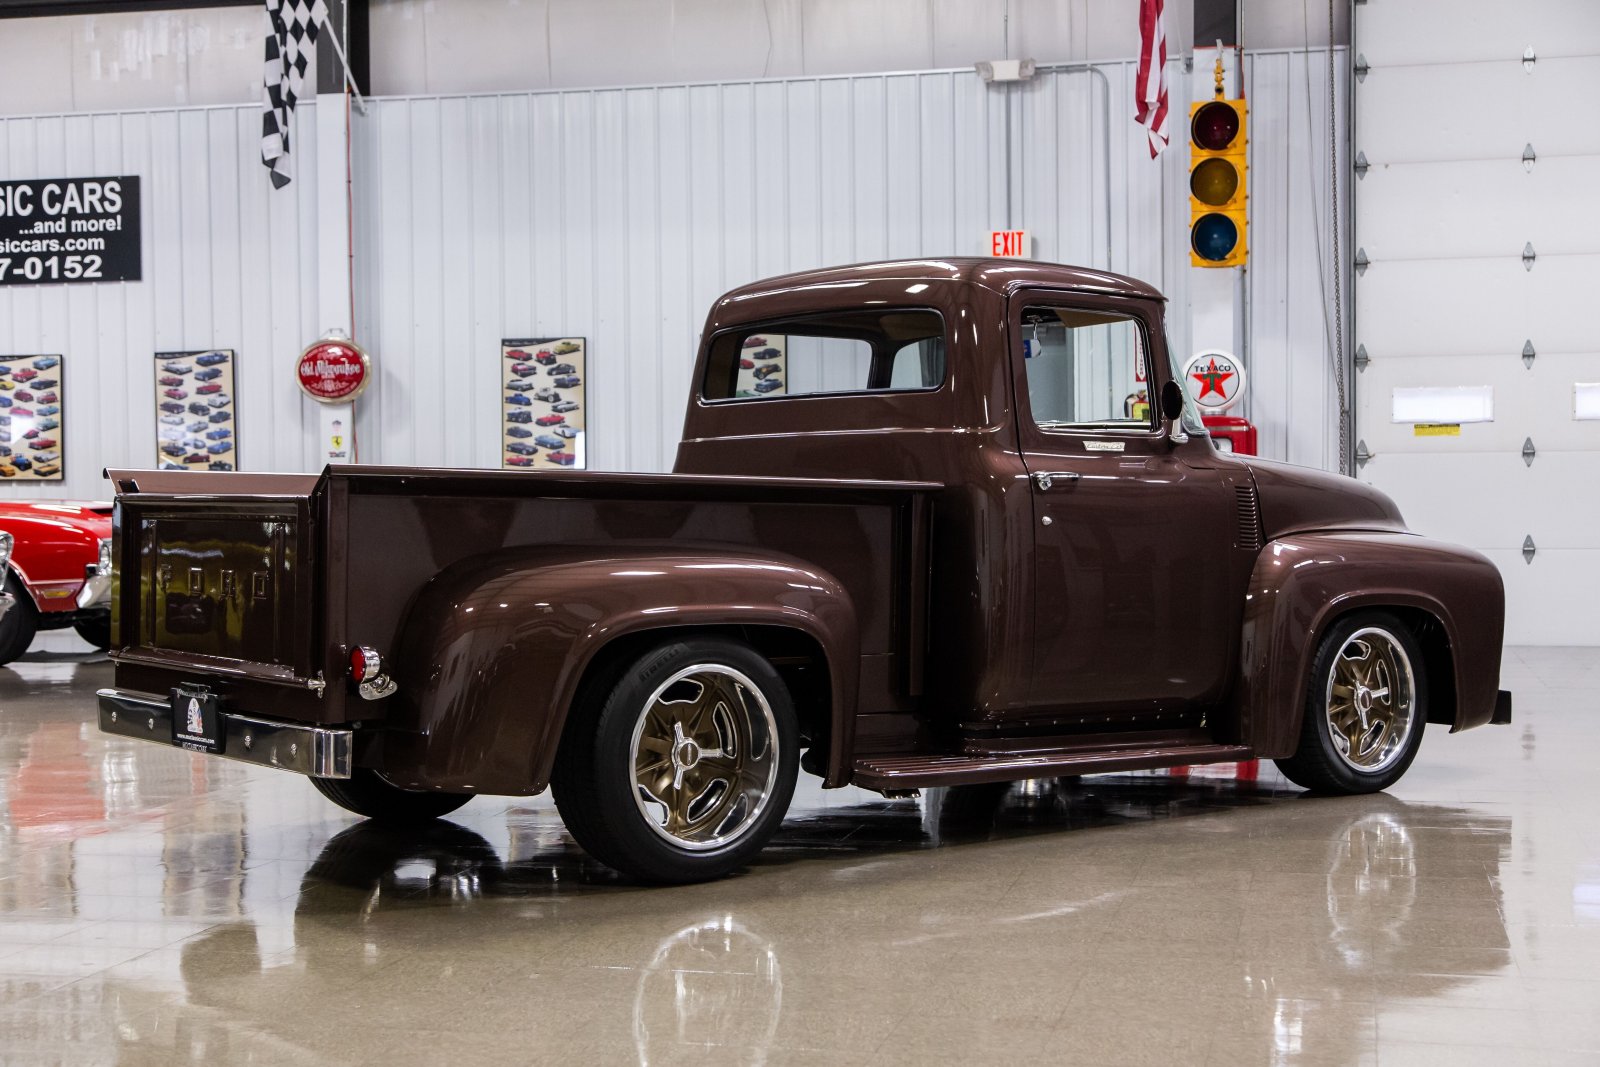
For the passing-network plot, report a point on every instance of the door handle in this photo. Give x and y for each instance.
(1046, 479)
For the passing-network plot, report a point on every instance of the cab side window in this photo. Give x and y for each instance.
(1083, 369)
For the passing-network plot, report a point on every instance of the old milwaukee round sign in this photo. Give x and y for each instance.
(333, 370)
(1215, 380)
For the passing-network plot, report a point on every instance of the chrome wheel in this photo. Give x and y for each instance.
(1370, 700)
(705, 757)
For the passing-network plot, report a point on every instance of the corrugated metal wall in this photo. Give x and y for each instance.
(619, 215)
(226, 265)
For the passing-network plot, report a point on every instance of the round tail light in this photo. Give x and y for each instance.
(365, 663)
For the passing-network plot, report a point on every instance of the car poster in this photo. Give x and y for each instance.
(195, 427)
(30, 418)
(763, 366)
(543, 413)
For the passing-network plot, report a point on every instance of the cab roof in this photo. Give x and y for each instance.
(999, 275)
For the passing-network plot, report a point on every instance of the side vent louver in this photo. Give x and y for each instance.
(1249, 511)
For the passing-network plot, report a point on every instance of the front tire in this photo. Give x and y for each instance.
(366, 793)
(20, 623)
(685, 768)
(1365, 709)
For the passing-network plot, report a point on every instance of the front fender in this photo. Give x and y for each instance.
(493, 648)
(1303, 582)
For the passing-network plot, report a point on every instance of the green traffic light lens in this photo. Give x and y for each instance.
(1215, 126)
(1214, 182)
(1214, 237)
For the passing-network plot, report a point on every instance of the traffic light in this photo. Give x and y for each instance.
(1218, 223)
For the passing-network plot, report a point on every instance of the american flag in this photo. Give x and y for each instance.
(291, 45)
(1150, 87)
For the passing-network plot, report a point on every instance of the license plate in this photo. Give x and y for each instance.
(197, 720)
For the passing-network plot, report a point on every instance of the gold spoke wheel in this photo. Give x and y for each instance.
(705, 757)
(1371, 700)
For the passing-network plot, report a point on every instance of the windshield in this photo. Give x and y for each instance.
(1190, 420)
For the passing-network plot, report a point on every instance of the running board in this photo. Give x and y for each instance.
(912, 772)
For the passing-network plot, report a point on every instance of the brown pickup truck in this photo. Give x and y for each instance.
(979, 564)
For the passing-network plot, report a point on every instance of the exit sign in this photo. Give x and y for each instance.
(1008, 244)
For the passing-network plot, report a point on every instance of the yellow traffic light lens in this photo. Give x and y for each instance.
(1214, 237)
(1214, 182)
(1215, 126)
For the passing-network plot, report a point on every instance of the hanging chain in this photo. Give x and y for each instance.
(1338, 263)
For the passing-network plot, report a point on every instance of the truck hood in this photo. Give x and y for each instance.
(1295, 499)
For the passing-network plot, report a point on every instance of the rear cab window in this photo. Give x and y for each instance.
(839, 353)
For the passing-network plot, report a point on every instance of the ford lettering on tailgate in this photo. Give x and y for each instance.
(219, 586)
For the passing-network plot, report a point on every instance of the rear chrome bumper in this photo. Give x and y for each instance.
(317, 751)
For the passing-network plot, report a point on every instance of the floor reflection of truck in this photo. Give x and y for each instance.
(962, 578)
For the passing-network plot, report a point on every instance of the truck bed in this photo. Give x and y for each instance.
(259, 584)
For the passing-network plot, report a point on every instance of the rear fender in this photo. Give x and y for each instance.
(494, 649)
(1303, 583)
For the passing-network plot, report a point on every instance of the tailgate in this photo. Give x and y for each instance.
(215, 575)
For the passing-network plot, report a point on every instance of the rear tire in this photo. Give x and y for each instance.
(20, 623)
(1366, 705)
(96, 631)
(366, 793)
(681, 767)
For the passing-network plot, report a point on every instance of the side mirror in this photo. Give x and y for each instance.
(1172, 408)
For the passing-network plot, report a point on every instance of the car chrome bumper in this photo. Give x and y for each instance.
(311, 750)
(96, 592)
(7, 602)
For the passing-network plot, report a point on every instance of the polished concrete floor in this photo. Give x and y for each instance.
(159, 908)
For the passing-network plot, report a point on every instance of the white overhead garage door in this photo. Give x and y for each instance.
(1478, 218)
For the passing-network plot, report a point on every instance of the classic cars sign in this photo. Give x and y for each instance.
(544, 415)
(195, 427)
(334, 370)
(63, 231)
(30, 418)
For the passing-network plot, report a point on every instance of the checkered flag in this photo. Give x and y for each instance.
(291, 46)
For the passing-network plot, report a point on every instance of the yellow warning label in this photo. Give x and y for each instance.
(1437, 429)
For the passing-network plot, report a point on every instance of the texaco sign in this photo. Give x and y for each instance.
(1215, 380)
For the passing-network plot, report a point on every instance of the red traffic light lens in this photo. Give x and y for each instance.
(1215, 126)
(1214, 181)
(1214, 237)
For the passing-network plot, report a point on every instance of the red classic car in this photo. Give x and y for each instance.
(57, 574)
(550, 420)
